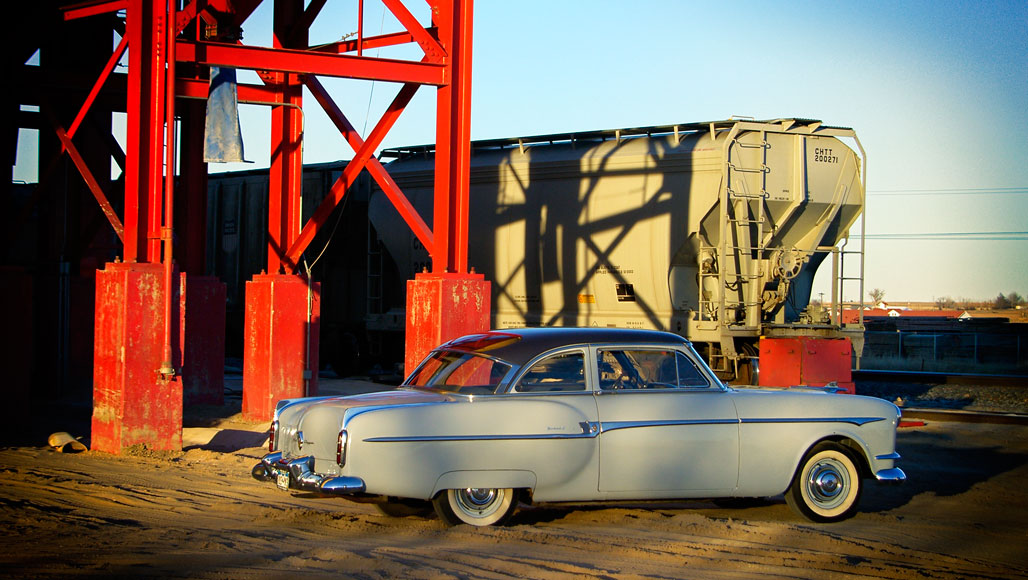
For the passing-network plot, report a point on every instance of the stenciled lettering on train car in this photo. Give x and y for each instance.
(824, 155)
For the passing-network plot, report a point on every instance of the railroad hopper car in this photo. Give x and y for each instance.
(710, 230)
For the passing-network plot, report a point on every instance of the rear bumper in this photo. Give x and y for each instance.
(298, 473)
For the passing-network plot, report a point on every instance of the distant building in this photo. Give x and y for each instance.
(851, 316)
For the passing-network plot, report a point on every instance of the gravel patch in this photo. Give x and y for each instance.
(980, 398)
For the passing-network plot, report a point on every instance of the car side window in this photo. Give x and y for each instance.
(689, 375)
(559, 372)
(647, 369)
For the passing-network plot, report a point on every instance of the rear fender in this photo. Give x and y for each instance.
(498, 479)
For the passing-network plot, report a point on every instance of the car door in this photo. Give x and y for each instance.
(666, 428)
(553, 401)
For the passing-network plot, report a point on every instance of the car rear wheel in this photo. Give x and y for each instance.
(827, 485)
(475, 506)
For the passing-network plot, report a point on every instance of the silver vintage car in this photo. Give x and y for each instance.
(488, 421)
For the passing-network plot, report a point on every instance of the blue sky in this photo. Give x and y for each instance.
(936, 91)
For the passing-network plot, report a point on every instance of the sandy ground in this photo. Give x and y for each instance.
(199, 514)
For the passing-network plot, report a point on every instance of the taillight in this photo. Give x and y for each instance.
(341, 448)
(272, 432)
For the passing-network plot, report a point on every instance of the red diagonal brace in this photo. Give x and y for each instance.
(91, 9)
(108, 68)
(98, 193)
(374, 166)
(353, 168)
(427, 43)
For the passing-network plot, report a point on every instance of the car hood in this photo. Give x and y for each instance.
(755, 403)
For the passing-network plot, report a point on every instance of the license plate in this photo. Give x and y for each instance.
(282, 479)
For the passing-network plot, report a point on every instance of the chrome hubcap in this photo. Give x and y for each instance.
(827, 483)
(477, 501)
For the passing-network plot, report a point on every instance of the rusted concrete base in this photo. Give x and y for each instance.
(132, 404)
(441, 307)
(280, 354)
(202, 339)
(809, 361)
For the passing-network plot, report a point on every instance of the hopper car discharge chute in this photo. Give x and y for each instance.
(710, 230)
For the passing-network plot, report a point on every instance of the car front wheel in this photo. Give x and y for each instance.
(827, 485)
(475, 506)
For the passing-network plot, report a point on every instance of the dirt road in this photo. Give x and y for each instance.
(199, 514)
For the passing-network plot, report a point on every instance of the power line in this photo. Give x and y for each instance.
(959, 191)
(951, 236)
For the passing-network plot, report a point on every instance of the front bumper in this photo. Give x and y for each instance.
(891, 475)
(298, 473)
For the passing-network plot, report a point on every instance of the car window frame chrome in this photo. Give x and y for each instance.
(714, 384)
(519, 373)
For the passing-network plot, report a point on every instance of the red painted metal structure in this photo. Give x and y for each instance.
(806, 360)
(158, 334)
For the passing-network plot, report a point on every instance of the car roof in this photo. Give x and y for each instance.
(520, 345)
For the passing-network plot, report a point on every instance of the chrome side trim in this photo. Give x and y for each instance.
(589, 430)
(858, 421)
(892, 455)
(617, 425)
(526, 437)
(893, 475)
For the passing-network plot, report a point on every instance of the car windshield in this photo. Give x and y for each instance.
(459, 372)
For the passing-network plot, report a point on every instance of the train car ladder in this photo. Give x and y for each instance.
(742, 239)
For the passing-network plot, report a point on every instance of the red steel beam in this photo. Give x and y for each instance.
(285, 176)
(167, 369)
(453, 139)
(137, 131)
(310, 62)
(391, 39)
(93, 8)
(153, 109)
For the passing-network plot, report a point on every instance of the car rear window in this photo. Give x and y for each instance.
(459, 372)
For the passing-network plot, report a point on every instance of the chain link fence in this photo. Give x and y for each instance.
(953, 352)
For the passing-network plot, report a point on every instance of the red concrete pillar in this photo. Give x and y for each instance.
(441, 307)
(131, 402)
(280, 354)
(202, 339)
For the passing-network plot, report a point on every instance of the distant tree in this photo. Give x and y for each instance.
(877, 295)
(1001, 302)
(1015, 299)
(945, 303)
